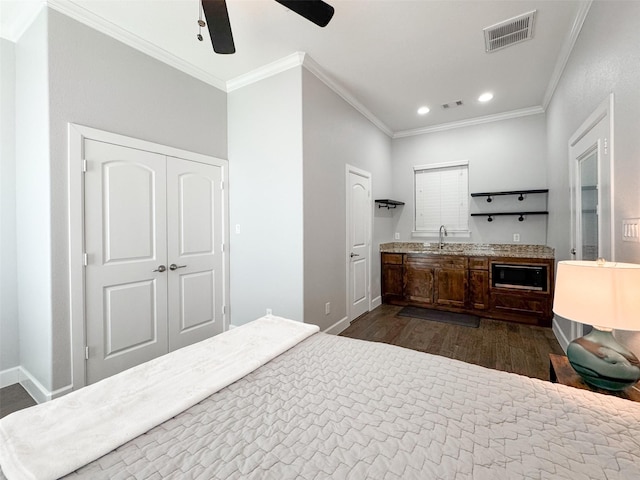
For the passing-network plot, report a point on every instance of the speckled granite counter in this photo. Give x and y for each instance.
(471, 249)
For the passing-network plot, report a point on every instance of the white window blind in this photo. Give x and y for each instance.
(442, 197)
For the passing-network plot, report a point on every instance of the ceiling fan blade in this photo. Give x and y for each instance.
(219, 26)
(315, 11)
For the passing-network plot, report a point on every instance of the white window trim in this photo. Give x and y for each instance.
(435, 233)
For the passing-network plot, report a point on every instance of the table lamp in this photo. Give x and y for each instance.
(607, 296)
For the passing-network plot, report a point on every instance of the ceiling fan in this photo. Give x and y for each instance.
(219, 26)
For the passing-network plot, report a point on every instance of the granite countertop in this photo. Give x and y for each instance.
(471, 249)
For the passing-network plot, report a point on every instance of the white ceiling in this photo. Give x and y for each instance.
(387, 57)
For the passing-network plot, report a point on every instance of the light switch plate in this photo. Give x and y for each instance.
(631, 229)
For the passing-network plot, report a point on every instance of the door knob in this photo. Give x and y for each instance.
(573, 251)
(354, 255)
(160, 269)
(173, 267)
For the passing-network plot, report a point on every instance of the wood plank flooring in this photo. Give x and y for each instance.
(511, 347)
(14, 398)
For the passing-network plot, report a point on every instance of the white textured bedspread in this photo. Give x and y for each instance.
(336, 408)
(53, 439)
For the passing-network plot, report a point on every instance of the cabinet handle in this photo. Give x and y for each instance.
(173, 267)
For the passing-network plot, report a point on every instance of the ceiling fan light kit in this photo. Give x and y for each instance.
(217, 16)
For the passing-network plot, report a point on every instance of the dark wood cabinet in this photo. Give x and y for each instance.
(419, 277)
(463, 283)
(451, 282)
(392, 277)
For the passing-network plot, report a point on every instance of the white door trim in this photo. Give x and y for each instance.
(348, 170)
(76, 136)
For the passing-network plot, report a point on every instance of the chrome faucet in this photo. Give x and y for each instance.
(441, 236)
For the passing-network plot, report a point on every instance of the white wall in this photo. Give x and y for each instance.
(102, 83)
(33, 205)
(67, 72)
(9, 346)
(265, 170)
(606, 58)
(505, 155)
(335, 135)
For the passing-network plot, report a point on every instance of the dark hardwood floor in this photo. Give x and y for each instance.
(511, 347)
(14, 398)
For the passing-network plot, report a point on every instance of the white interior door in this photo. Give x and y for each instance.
(358, 241)
(125, 242)
(592, 188)
(195, 251)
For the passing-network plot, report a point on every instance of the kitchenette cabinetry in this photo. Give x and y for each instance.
(470, 284)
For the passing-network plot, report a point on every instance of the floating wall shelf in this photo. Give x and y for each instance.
(520, 214)
(386, 203)
(520, 193)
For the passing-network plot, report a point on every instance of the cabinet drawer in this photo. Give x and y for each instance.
(392, 258)
(438, 261)
(479, 263)
(519, 303)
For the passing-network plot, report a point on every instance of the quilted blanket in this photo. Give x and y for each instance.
(338, 408)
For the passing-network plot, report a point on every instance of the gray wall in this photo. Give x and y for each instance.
(605, 59)
(504, 155)
(33, 205)
(265, 170)
(72, 73)
(335, 135)
(9, 346)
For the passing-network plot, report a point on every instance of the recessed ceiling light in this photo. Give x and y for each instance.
(485, 97)
(423, 110)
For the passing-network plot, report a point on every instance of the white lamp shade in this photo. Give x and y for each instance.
(601, 294)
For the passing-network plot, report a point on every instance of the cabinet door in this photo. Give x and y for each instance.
(392, 281)
(479, 289)
(451, 287)
(419, 282)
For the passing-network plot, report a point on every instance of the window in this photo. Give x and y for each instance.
(442, 198)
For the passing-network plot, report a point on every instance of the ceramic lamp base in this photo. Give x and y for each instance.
(602, 362)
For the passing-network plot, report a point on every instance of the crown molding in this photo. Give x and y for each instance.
(315, 68)
(98, 23)
(565, 52)
(524, 112)
(266, 71)
(22, 16)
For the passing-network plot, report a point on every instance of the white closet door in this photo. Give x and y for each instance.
(195, 214)
(125, 236)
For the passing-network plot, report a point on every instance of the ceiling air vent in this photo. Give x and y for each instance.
(457, 103)
(512, 31)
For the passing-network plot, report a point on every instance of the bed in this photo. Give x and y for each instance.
(320, 407)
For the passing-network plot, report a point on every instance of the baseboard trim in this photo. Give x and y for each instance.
(9, 376)
(560, 336)
(37, 391)
(337, 327)
(376, 302)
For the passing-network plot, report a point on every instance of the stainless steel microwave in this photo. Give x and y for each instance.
(519, 277)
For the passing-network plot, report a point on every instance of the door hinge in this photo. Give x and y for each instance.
(86, 353)
(222, 247)
(85, 259)
(222, 185)
(224, 309)
(84, 166)
(606, 146)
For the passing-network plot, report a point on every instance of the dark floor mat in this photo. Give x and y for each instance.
(461, 319)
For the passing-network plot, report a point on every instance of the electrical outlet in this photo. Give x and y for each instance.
(397, 236)
(268, 312)
(516, 237)
(327, 308)
(631, 229)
